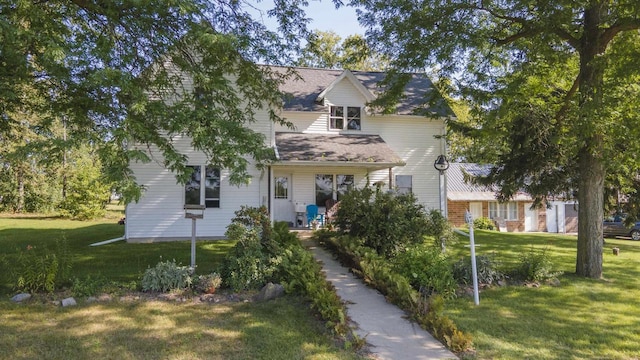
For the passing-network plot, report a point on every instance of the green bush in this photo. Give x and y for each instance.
(208, 283)
(442, 327)
(385, 221)
(427, 269)
(487, 270)
(247, 265)
(258, 218)
(87, 194)
(376, 271)
(440, 229)
(88, 285)
(39, 269)
(302, 275)
(535, 265)
(166, 276)
(483, 223)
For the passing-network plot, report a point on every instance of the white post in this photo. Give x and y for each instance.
(193, 216)
(474, 269)
(193, 244)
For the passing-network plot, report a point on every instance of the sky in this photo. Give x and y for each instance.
(324, 16)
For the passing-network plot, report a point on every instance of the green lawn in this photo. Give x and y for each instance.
(117, 261)
(281, 329)
(580, 319)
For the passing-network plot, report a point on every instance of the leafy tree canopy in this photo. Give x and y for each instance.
(118, 73)
(552, 86)
(326, 49)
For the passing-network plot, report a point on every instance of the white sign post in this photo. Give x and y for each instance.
(474, 269)
(190, 213)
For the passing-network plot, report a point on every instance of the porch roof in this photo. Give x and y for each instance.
(335, 150)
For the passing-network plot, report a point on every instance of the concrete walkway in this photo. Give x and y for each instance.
(382, 324)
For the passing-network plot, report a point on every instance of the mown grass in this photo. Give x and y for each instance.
(579, 319)
(280, 329)
(118, 261)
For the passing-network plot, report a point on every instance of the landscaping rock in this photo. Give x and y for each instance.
(69, 302)
(21, 297)
(270, 292)
(91, 299)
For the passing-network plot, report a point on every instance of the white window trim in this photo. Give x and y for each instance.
(203, 179)
(345, 118)
(502, 209)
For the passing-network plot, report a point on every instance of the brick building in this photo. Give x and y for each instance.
(515, 215)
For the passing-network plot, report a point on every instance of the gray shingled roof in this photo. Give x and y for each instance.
(459, 190)
(362, 150)
(301, 93)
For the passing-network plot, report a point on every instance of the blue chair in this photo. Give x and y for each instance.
(312, 214)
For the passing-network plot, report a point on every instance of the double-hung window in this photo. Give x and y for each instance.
(197, 194)
(404, 184)
(345, 118)
(506, 211)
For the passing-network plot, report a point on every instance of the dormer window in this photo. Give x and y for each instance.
(338, 120)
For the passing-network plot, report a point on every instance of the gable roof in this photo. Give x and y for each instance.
(302, 93)
(355, 82)
(335, 150)
(460, 190)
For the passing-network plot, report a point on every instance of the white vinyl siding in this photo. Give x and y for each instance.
(160, 211)
(413, 139)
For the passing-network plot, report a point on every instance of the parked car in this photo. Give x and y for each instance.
(615, 226)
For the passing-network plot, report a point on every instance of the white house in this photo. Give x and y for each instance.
(336, 145)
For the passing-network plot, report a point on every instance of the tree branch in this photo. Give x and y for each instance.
(518, 35)
(565, 35)
(567, 98)
(619, 26)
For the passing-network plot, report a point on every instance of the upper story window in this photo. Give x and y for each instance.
(345, 118)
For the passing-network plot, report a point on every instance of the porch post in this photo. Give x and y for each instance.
(390, 178)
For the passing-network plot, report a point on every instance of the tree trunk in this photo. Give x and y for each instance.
(590, 215)
(20, 205)
(591, 157)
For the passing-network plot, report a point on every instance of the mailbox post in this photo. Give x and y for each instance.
(193, 212)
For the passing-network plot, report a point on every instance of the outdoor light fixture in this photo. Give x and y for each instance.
(441, 164)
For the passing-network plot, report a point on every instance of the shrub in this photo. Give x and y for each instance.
(487, 270)
(166, 276)
(87, 193)
(440, 228)
(442, 327)
(428, 311)
(302, 275)
(483, 223)
(258, 218)
(208, 283)
(427, 269)
(88, 285)
(246, 266)
(39, 269)
(386, 222)
(535, 266)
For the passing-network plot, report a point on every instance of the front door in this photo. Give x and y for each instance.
(530, 218)
(282, 204)
(475, 208)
